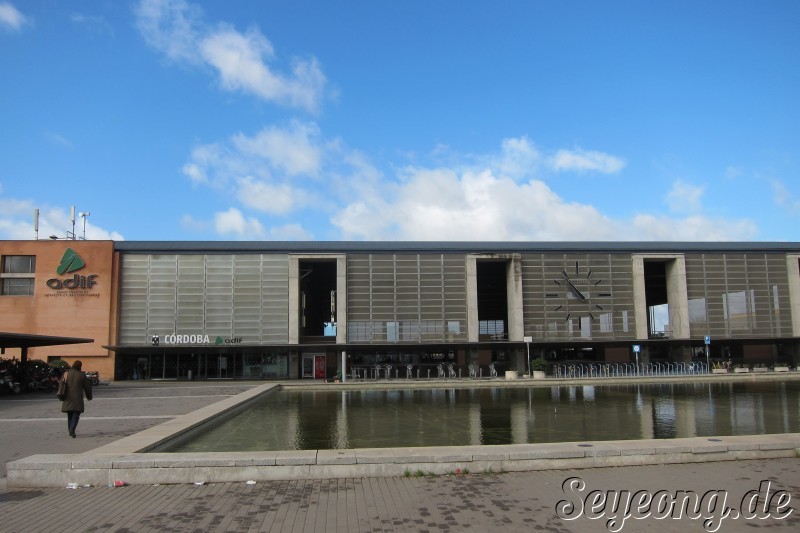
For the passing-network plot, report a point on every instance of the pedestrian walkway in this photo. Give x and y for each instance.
(520, 501)
(509, 502)
(33, 423)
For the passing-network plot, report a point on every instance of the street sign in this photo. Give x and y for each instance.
(708, 339)
(637, 348)
(527, 339)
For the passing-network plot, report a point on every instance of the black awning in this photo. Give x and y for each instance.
(23, 341)
(27, 340)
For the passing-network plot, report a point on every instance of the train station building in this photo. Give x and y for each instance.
(299, 310)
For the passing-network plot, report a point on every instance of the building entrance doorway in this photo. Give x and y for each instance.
(314, 366)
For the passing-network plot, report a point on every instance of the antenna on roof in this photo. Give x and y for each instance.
(36, 223)
(71, 235)
(83, 216)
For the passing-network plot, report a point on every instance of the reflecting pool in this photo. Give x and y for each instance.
(353, 418)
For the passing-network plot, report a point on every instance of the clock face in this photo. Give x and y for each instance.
(579, 292)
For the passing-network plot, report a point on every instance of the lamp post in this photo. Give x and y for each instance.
(528, 350)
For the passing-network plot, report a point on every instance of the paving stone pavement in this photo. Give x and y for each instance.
(484, 502)
(474, 502)
(33, 423)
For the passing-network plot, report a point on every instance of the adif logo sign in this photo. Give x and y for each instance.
(71, 262)
(200, 338)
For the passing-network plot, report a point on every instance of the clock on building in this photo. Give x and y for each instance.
(582, 294)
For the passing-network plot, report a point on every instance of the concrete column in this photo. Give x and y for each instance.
(294, 300)
(472, 298)
(639, 300)
(677, 297)
(294, 365)
(514, 298)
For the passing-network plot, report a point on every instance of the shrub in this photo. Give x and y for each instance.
(539, 364)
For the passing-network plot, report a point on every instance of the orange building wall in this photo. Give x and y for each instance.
(85, 313)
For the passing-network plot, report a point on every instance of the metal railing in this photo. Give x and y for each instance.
(615, 370)
(558, 370)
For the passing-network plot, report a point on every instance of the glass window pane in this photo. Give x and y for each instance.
(17, 286)
(19, 264)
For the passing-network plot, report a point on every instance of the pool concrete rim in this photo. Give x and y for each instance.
(124, 459)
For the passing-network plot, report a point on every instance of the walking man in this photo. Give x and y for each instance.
(77, 385)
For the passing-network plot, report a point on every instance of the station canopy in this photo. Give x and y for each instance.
(23, 341)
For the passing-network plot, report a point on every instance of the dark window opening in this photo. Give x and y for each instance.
(317, 301)
(492, 300)
(655, 290)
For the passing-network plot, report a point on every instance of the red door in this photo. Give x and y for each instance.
(319, 367)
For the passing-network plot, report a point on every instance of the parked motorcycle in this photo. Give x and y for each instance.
(7, 383)
(94, 377)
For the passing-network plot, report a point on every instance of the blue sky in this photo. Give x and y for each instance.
(401, 120)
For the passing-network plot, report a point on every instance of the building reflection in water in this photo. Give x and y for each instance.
(502, 415)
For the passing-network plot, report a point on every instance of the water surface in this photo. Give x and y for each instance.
(303, 420)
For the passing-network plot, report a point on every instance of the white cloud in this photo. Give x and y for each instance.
(693, 228)
(462, 203)
(290, 232)
(783, 197)
(489, 197)
(218, 164)
(195, 173)
(169, 27)
(519, 158)
(263, 196)
(176, 28)
(583, 161)
(233, 222)
(684, 197)
(239, 59)
(294, 150)
(11, 18)
(262, 172)
(441, 204)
